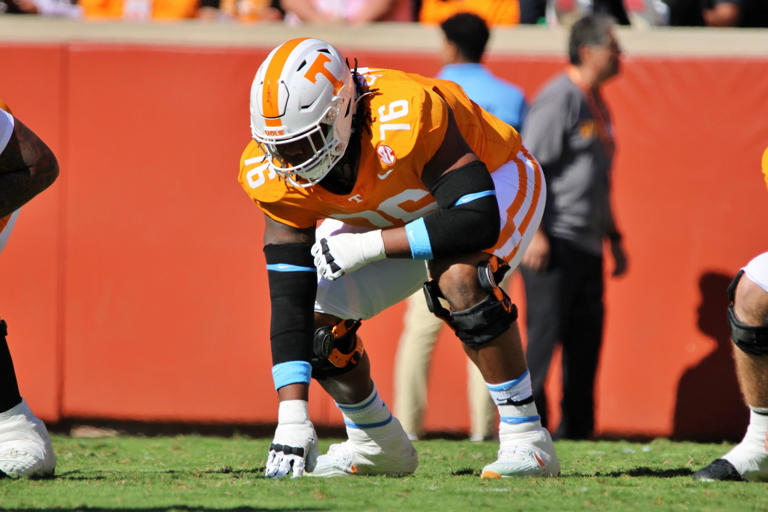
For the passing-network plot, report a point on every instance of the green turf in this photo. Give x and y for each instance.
(192, 473)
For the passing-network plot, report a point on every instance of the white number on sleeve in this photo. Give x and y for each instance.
(256, 176)
(395, 110)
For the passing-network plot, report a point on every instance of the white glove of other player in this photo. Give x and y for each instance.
(294, 447)
(343, 253)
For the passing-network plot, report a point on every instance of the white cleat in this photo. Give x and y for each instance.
(757, 470)
(384, 450)
(525, 454)
(25, 447)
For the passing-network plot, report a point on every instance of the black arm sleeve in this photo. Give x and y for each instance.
(292, 289)
(464, 228)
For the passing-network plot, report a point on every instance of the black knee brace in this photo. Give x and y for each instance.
(336, 349)
(751, 339)
(487, 319)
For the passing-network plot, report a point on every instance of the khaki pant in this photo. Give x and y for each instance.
(414, 352)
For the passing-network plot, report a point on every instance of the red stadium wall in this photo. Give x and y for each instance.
(135, 287)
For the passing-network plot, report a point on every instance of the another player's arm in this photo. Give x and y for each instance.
(293, 285)
(27, 165)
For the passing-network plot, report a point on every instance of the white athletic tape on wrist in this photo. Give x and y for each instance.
(293, 411)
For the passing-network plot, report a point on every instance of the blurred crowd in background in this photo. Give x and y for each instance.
(642, 13)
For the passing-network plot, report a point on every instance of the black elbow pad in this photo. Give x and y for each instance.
(468, 219)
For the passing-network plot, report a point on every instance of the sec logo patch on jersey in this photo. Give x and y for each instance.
(386, 154)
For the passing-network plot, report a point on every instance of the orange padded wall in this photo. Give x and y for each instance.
(135, 287)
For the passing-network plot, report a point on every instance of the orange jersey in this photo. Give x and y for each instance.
(409, 119)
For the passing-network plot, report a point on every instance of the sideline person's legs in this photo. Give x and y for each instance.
(582, 337)
(543, 319)
(482, 410)
(414, 353)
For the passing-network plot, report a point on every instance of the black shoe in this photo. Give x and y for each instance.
(718, 469)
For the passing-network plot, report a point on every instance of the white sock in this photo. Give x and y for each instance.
(750, 455)
(293, 411)
(517, 410)
(368, 413)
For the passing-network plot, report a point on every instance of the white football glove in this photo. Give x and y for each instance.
(337, 255)
(293, 450)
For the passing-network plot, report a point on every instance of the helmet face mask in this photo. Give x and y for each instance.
(302, 104)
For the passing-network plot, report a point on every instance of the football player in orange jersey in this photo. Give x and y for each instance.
(27, 167)
(362, 174)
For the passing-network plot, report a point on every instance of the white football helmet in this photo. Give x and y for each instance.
(302, 104)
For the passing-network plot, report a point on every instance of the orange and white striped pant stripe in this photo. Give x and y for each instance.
(521, 193)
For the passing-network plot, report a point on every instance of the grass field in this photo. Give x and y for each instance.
(196, 473)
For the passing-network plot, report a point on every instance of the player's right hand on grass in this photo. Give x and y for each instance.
(293, 450)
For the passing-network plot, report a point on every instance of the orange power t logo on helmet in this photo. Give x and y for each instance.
(318, 68)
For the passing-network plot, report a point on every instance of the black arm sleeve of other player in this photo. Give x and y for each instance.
(467, 227)
(292, 289)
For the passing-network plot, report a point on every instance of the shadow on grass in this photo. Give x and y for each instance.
(465, 472)
(645, 471)
(181, 508)
(641, 471)
(104, 475)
